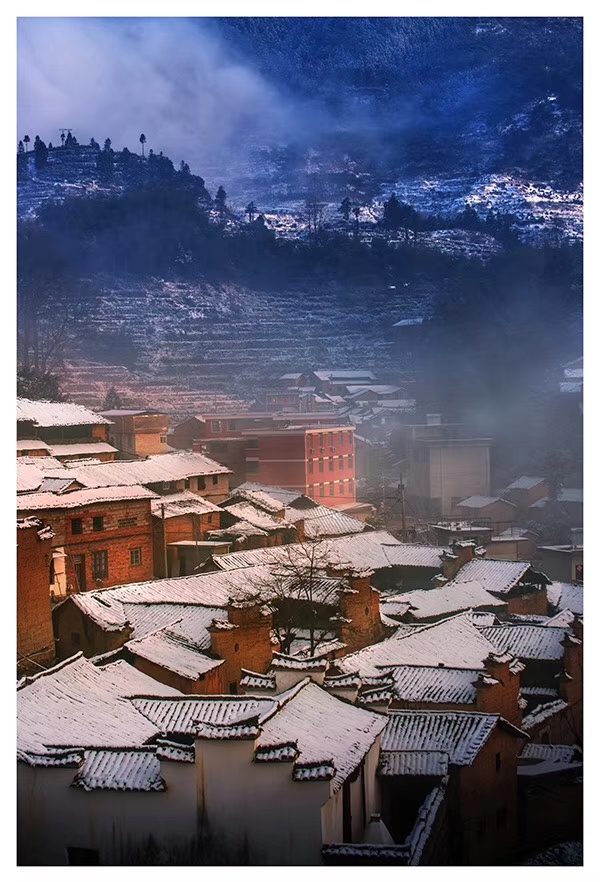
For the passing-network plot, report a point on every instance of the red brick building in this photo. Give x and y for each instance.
(35, 638)
(102, 536)
(62, 430)
(138, 432)
(317, 461)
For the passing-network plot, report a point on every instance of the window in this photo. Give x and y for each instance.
(311, 467)
(321, 465)
(186, 483)
(76, 526)
(215, 479)
(351, 487)
(311, 489)
(309, 441)
(201, 484)
(321, 489)
(166, 485)
(127, 522)
(331, 439)
(342, 487)
(98, 524)
(100, 564)
(320, 439)
(340, 437)
(236, 648)
(216, 426)
(251, 466)
(233, 689)
(350, 461)
(331, 488)
(331, 464)
(163, 439)
(83, 857)
(498, 761)
(501, 816)
(340, 462)
(252, 443)
(135, 557)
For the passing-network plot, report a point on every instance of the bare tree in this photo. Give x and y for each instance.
(314, 212)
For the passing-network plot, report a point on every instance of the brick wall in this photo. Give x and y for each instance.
(210, 683)
(247, 645)
(76, 632)
(35, 637)
(532, 603)
(362, 608)
(179, 529)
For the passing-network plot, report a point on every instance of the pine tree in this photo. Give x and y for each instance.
(40, 153)
(142, 142)
(26, 141)
(220, 201)
(112, 400)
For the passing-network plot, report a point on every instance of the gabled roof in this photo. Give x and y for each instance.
(321, 521)
(525, 483)
(174, 650)
(459, 734)
(259, 498)
(54, 413)
(28, 476)
(417, 683)
(527, 641)
(153, 470)
(497, 576)
(77, 498)
(77, 704)
(280, 494)
(86, 448)
(183, 503)
(563, 595)
(328, 374)
(327, 732)
(413, 763)
(454, 642)
(246, 511)
(181, 715)
(453, 597)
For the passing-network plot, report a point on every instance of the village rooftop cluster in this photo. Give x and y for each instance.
(227, 656)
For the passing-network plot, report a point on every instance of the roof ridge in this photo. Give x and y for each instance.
(25, 681)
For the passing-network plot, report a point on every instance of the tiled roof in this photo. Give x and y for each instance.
(555, 753)
(119, 770)
(498, 576)
(31, 444)
(292, 663)
(245, 511)
(413, 763)
(180, 716)
(28, 476)
(172, 750)
(77, 704)
(261, 498)
(454, 642)
(77, 498)
(183, 503)
(403, 555)
(153, 470)
(451, 598)
(563, 595)
(326, 731)
(170, 649)
(279, 494)
(459, 734)
(417, 683)
(53, 413)
(252, 680)
(543, 712)
(88, 448)
(535, 642)
(323, 521)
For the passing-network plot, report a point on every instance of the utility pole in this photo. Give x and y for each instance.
(402, 506)
(164, 532)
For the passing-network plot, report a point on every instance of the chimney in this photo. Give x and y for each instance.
(243, 641)
(459, 554)
(359, 607)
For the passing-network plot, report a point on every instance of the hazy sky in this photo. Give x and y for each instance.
(172, 79)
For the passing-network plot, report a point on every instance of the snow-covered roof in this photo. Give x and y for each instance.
(343, 375)
(459, 734)
(183, 503)
(180, 715)
(31, 444)
(525, 483)
(413, 763)
(280, 494)
(322, 521)
(119, 770)
(29, 477)
(450, 598)
(77, 498)
(564, 595)
(497, 576)
(481, 501)
(454, 642)
(253, 680)
(405, 323)
(88, 448)
(77, 704)
(173, 650)
(542, 713)
(555, 753)
(153, 470)
(249, 513)
(325, 731)
(371, 387)
(57, 413)
(260, 498)
(527, 641)
(417, 683)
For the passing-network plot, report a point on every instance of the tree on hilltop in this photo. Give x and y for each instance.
(142, 142)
